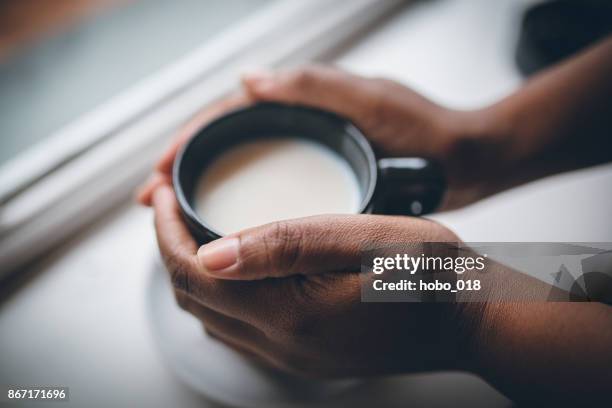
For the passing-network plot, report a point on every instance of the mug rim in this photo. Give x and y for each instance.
(350, 130)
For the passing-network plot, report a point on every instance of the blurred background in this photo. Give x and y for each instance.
(60, 59)
(92, 90)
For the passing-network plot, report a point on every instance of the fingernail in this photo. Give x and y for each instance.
(219, 254)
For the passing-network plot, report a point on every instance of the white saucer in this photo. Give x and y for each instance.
(216, 371)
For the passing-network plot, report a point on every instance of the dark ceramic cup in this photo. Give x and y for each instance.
(393, 186)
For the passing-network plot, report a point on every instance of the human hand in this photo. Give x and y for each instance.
(397, 120)
(288, 293)
(162, 173)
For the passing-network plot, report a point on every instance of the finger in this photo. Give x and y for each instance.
(308, 245)
(235, 101)
(255, 303)
(144, 194)
(240, 335)
(263, 358)
(163, 168)
(176, 244)
(234, 346)
(323, 87)
(252, 302)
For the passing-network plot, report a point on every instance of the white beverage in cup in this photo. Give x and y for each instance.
(274, 179)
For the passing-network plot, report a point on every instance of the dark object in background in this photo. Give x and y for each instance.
(554, 30)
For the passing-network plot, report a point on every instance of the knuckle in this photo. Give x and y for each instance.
(376, 107)
(296, 329)
(179, 272)
(283, 246)
(303, 78)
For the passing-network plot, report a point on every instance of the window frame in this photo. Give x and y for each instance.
(93, 164)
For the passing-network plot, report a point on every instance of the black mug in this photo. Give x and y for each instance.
(392, 186)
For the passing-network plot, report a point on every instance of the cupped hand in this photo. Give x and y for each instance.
(162, 173)
(397, 120)
(288, 293)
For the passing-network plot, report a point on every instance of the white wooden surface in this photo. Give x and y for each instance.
(80, 321)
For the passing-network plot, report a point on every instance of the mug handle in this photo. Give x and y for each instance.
(409, 186)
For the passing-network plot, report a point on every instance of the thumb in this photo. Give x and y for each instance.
(318, 86)
(303, 246)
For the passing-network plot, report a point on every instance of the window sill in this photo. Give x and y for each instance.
(95, 163)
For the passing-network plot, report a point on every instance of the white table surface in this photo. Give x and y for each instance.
(80, 320)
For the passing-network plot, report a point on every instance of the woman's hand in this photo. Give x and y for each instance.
(559, 121)
(290, 295)
(397, 120)
(288, 292)
(162, 174)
